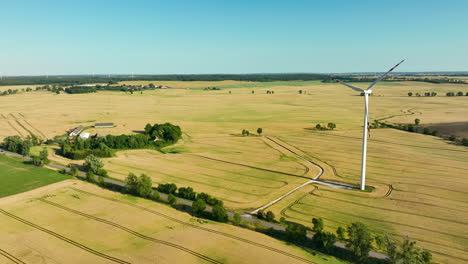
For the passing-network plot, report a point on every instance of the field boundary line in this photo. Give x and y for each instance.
(11, 257)
(70, 241)
(34, 128)
(128, 230)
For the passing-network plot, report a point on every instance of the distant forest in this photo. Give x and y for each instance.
(68, 80)
(84, 79)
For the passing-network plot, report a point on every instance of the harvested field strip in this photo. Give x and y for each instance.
(392, 210)
(11, 257)
(226, 170)
(384, 221)
(196, 254)
(390, 142)
(372, 158)
(252, 167)
(4, 117)
(430, 195)
(197, 182)
(23, 127)
(215, 171)
(306, 168)
(90, 250)
(198, 227)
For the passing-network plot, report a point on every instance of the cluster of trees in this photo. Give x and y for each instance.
(21, 146)
(41, 159)
(158, 135)
(212, 88)
(17, 144)
(188, 193)
(247, 133)
(427, 94)
(9, 91)
(270, 92)
(268, 216)
(302, 92)
(141, 186)
(456, 94)
(359, 241)
(329, 126)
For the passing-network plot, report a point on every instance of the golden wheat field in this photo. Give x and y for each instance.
(77, 222)
(420, 181)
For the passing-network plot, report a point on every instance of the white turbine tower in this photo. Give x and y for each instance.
(366, 119)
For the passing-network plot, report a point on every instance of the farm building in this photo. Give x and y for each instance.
(84, 135)
(103, 125)
(76, 131)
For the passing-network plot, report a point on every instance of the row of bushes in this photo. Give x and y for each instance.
(143, 187)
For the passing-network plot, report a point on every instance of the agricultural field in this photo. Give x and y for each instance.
(419, 181)
(17, 177)
(77, 222)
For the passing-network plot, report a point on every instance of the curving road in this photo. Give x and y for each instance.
(313, 180)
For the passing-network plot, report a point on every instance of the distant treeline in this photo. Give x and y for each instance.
(78, 80)
(93, 89)
(347, 78)
(156, 136)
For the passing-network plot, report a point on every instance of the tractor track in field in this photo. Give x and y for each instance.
(199, 227)
(34, 128)
(249, 166)
(11, 257)
(15, 128)
(128, 230)
(25, 128)
(283, 211)
(389, 192)
(65, 239)
(306, 169)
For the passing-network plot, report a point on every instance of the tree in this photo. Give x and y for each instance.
(452, 138)
(270, 216)
(331, 126)
(460, 94)
(26, 147)
(132, 183)
(93, 163)
(360, 240)
(324, 240)
(90, 176)
(199, 206)
(253, 92)
(148, 129)
(417, 121)
(410, 94)
(172, 199)
(282, 220)
(259, 130)
(73, 171)
(318, 126)
(144, 186)
(300, 91)
(261, 214)
(43, 155)
(247, 133)
(406, 252)
(464, 142)
(341, 232)
(296, 232)
(36, 160)
(318, 224)
(219, 213)
(237, 219)
(155, 195)
(379, 241)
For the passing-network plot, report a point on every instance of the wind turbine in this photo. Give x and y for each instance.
(367, 92)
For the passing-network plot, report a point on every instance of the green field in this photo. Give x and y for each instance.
(16, 177)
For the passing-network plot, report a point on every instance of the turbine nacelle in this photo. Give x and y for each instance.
(367, 91)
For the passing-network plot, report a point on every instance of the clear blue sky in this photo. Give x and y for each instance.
(214, 36)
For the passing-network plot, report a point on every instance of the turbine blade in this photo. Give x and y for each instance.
(383, 76)
(350, 86)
